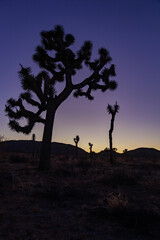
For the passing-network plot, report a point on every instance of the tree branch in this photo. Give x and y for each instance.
(25, 96)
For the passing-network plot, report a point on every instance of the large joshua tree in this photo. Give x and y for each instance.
(59, 64)
(112, 110)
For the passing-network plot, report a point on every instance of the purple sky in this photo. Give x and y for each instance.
(130, 30)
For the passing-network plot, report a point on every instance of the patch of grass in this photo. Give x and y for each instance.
(116, 200)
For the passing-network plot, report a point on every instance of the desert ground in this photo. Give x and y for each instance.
(79, 199)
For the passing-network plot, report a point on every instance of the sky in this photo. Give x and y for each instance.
(129, 30)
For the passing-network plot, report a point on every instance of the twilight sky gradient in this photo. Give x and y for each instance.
(129, 29)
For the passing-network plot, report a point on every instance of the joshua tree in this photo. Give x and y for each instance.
(76, 140)
(125, 150)
(59, 64)
(90, 147)
(112, 110)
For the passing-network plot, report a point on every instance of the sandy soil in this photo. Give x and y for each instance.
(80, 199)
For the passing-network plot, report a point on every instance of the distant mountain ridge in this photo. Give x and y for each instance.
(26, 146)
(144, 152)
(137, 153)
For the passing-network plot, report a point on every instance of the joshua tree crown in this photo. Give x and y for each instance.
(58, 63)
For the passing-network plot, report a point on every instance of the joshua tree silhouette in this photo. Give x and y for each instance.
(125, 150)
(76, 140)
(112, 110)
(59, 64)
(90, 147)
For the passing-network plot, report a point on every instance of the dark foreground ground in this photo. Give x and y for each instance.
(85, 199)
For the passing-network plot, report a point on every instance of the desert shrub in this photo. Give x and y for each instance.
(18, 159)
(116, 200)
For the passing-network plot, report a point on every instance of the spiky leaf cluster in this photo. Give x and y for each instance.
(76, 139)
(15, 109)
(90, 145)
(113, 109)
(56, 56)
(58, 63)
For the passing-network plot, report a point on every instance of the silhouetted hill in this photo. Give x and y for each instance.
(144, 152)
(107, 153)
(26, 146)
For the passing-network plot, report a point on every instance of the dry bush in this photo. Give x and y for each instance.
(117, 200)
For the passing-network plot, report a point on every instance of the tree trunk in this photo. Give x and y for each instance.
(110, 138)
(45, 161)
(111, 147)
(77, 150)
(53, 104)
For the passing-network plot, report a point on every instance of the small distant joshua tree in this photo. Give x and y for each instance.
(90, 147)
(112, 110)
(125, 150)
(76, 140)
